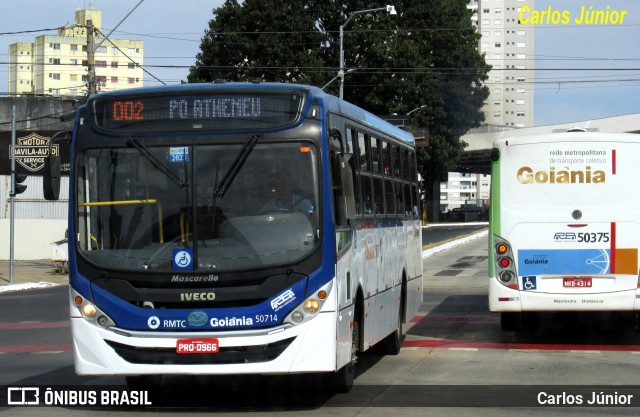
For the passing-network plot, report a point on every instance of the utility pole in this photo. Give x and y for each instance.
(91, 59)
(12, 193)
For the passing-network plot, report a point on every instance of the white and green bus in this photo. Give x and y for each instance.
(565, 224)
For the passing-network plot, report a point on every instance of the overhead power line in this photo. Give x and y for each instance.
(30, 31)
(130, 59)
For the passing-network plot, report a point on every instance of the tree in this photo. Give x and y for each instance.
(266, 40)
(424, 58)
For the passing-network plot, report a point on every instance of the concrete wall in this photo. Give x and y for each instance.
(38, 222)
(32, 237)
(33, 113)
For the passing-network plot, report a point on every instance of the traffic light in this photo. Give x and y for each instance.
(18, 186)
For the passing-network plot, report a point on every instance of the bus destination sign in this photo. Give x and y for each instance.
(198, 111)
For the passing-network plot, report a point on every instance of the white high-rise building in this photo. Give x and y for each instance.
(508, 48)
(58, 64)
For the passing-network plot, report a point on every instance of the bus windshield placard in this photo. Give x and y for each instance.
(198, 111)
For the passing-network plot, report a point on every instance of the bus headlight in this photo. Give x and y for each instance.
(90, 312)
(310, 307)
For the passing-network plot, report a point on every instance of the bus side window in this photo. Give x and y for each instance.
(399, 200)
(342, 228)
(378, 195)
(389, 197)
(412, 167)
(375, 155)
(386, 159)
(395, 155)
(352, 135)
(407, 200)
(405, 165)
(351, 140)
(367, 194)
(363, 146)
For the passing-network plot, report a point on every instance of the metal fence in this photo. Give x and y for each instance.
(31, 204)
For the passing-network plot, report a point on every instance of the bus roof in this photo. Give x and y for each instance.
(332, 103)
(568, 137)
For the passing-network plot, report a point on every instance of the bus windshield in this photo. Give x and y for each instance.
(198, 207)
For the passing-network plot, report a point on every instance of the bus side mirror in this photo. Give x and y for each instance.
(346, 162)
(51, 178)
(52, 168)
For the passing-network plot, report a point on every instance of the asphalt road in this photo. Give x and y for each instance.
(455, 361)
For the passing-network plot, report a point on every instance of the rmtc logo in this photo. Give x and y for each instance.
(283, 299)
(564, 237)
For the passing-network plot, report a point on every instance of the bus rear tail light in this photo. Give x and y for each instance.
(502, 248)
(505, 267)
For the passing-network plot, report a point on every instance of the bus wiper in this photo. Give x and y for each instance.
(231, 173)
(146, 152)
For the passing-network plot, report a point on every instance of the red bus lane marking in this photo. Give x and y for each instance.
(446, 344)
(30, 347)
(481, 319)
(30, 325)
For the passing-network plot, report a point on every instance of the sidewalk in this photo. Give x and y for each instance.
(30, 274)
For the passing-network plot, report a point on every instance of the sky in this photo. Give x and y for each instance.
(582, 71)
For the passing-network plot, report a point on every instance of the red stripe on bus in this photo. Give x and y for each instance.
(613, 162)
(612, 255)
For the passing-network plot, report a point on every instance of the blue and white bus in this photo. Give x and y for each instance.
(179, 263)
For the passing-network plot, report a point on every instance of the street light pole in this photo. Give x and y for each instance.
(388, 8)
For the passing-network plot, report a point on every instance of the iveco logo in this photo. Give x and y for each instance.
(197, 318)
(197, 296)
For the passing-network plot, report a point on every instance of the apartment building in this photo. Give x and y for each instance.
(508, 48)
(462, 188)
(57, 65)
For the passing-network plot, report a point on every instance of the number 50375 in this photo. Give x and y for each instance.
(593, 237)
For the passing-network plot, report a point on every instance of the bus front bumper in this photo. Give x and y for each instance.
(309, 347)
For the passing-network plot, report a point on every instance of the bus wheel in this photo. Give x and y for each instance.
(342, 380)
(510, 321)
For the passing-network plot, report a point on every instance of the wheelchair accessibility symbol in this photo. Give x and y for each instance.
(182, 259)
(529, 283)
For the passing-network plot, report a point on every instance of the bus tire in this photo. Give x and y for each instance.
(341, 381)
(391, 344)
(510, 321)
